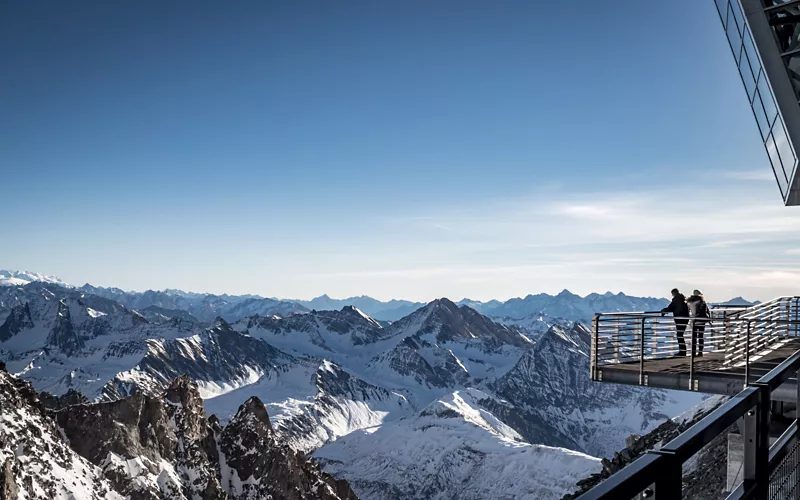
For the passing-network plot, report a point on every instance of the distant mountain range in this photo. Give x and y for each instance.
(445, 403)
(206, 307)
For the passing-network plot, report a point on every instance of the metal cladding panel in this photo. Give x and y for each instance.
(764, 36)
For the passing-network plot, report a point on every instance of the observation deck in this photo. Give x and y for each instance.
(740, 345)
(751, 354)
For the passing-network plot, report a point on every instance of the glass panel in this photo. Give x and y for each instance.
(784, 149)
(737, 13)
(793, 68)
(722, 8)
(736, 40)
(776, 165)
(766, 99)
(750, 49)
(761, 118)
(747, 77)
(785, 24)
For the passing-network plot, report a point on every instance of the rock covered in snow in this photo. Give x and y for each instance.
(144, 448)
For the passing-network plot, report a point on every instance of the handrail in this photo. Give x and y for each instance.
(766, 468)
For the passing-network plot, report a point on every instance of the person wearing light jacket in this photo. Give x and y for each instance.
(701, 314)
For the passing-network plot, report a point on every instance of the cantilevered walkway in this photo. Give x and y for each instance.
(740, 345)
(751, 354)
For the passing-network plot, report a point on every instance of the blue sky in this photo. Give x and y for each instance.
(403, 149)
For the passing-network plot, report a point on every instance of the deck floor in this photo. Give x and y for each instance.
(673, 372)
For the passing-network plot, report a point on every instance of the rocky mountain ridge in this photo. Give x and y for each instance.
(143, 447)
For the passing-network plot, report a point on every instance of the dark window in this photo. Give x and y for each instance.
(792, 63)
(785, 23)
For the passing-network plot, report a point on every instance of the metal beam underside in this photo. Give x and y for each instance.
(727, 384)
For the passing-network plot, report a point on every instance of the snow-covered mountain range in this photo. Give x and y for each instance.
(19, 278)
(205, 307)
(415, 408)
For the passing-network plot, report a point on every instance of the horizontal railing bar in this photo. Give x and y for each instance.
(630, 481)
(781, 373)
(713, 424)
(778, 450)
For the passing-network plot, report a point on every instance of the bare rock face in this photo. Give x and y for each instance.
(152, 448)
(18, 319)
(70, 398)
(274, 470)
(146, 448)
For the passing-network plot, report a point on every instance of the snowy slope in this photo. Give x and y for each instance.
(313, 402)
(533, 326)
(453, 449)
(550, 382)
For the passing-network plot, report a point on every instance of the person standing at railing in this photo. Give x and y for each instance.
(700, 313)
(680, 311)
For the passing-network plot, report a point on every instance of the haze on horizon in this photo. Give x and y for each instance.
(415, 151)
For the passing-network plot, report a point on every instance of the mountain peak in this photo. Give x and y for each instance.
(184, 392)
(444, 302)
(253, 410)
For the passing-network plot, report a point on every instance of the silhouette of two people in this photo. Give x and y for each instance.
(682, 309)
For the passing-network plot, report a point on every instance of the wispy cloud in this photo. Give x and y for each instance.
(727, 240)
(756, 174)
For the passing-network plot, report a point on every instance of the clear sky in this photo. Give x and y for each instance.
(396, 149)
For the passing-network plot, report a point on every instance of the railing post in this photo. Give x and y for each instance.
(756, 444)
(797, 396)
(594, 347)
(797, 319)
(641, 353)
(669, 482)
(747, 356)
(691, 359)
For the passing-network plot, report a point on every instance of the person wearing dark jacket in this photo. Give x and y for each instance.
(680, 311)
(700, 313)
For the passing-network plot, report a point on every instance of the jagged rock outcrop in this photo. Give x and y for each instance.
(147, 448)
(69, 398)
(19, 318)
(276, 470)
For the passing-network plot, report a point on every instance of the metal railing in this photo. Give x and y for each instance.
(768, 471)
(771, 472)
(736, 337)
